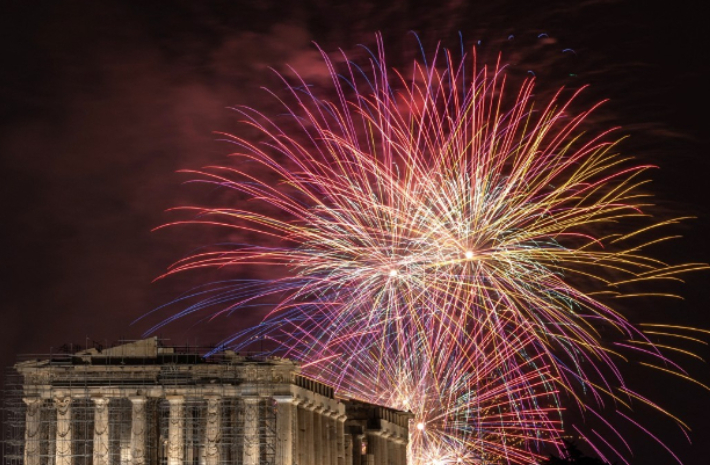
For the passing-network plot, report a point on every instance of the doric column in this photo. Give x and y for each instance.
(393, 450)
(328, 438)
(340, 441)
(138, 430)
(251, 431)
(33, 427)
(403, 446)
(309, 435)
(319, 441)
(213, 431)
(408, 452)
(373, 448)
(285, 429)
(101, 445)
(176, 430)
(386, 449)
(359, 448)
(348, 442)
(330, 435)
(384, 441)
(301, 451)
(63, 438)
(188, 439)
(397, 449)
(333, 437)
(371, 458)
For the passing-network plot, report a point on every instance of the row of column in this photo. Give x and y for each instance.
(320, 438)
(378, 448)
(307, 433)
(63, 435)
(213, 431)
(386, 448)
(176, 431)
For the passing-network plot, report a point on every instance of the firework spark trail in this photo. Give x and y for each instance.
(469, 404)
(416, 214)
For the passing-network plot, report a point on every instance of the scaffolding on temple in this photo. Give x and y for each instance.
(141, 403)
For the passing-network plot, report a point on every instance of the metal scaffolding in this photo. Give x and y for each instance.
(156, 406)
(142, 403)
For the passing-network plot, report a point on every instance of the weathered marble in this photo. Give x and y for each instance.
(286, 416)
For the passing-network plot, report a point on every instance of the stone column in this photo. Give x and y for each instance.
(348, 444)
(326, 435)
(309, 436)
(396, 450)
(138, 430)
(285, 430)
(387, 451)
(101, 440)
(213, 431)
(33, 428)
(333, 438)
(176, 430)
(328, 438)
(358, 449)
(384, 441)
(403, 450)
(63, 439)
(319, 442)
(251, 431)
(374, 453)
(188, 439)
(340, 441)
(301, 433)
(373, 448)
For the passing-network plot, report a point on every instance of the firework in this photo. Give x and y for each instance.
(472, 408)
(438, 242)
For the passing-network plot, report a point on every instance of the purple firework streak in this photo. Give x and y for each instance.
(443, 243)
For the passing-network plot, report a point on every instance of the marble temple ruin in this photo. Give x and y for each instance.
(142, 403)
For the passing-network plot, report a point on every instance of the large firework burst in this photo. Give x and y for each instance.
(449, 250)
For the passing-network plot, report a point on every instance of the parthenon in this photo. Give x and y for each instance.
(141, 403)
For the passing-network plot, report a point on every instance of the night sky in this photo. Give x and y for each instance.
(102, 102)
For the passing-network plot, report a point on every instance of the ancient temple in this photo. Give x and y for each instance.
(142, 403)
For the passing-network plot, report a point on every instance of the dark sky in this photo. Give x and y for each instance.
(101, 103)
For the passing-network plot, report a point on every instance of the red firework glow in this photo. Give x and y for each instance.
(449, 251)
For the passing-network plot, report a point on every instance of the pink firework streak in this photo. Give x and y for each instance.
(442, 248)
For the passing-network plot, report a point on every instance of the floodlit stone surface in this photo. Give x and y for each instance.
(142, 403)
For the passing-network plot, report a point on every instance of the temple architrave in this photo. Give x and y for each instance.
(141, 403)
